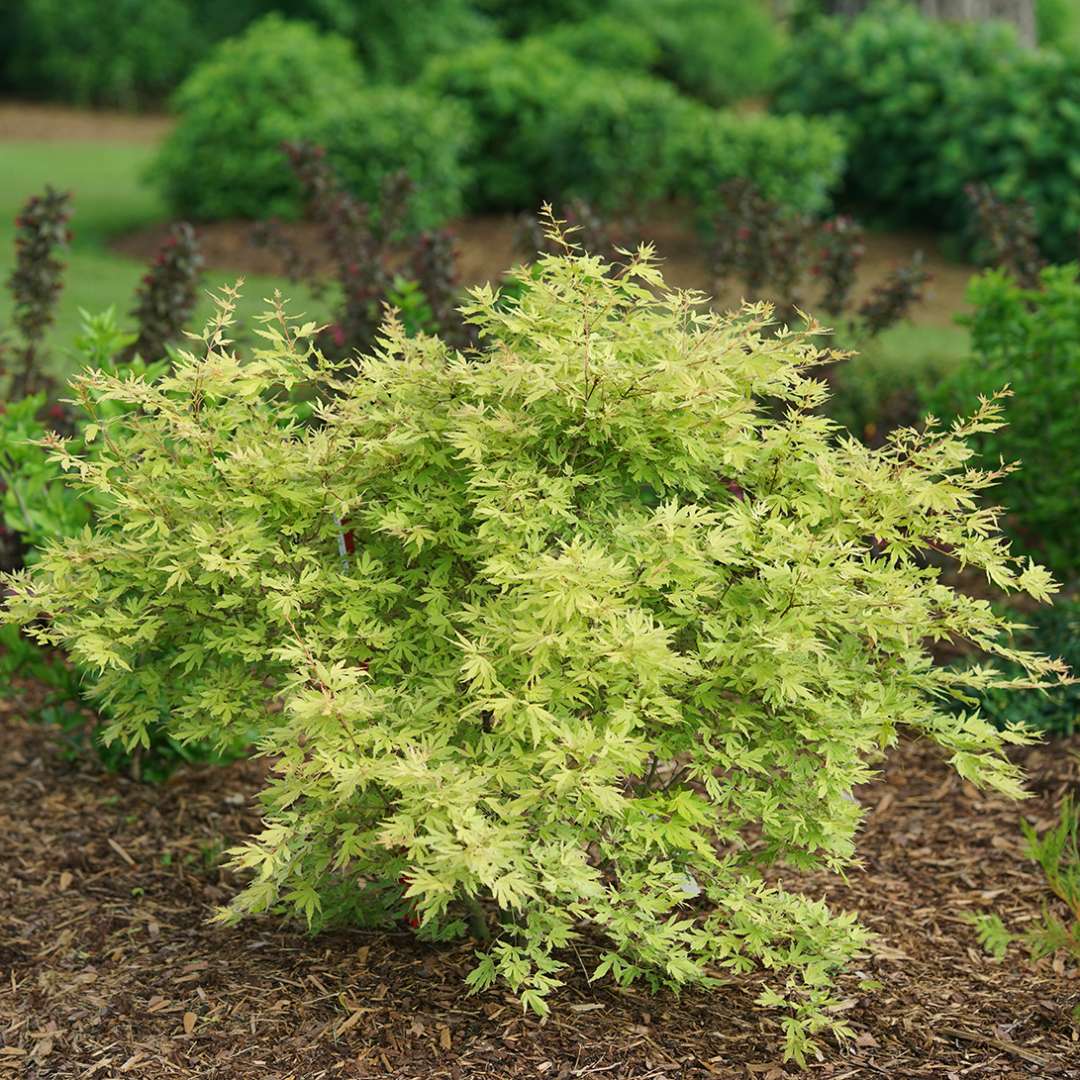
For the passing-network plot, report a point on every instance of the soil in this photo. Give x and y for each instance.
(22, 121)
(488, 246)
(109, 968)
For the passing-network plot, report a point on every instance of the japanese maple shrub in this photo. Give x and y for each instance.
(567, 639)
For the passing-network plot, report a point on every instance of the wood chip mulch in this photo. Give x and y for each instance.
(108, 967)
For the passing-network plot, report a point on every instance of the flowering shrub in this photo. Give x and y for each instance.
(575, 636)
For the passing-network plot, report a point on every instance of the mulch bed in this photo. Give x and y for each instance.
(488, 246)
(108, 967)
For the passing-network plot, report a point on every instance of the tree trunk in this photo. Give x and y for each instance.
(1021, 13)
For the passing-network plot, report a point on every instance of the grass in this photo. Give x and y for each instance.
(109, 197)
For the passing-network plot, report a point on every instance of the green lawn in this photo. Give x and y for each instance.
(110, 197)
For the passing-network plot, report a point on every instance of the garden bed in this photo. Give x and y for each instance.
(488, 246)
(108, 967)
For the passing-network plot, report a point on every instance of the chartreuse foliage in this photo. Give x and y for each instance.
(624, 621)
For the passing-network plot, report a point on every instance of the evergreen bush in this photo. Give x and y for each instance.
(1029, 339)
(930, 107)
(605, 40)
(792, 160)
(124, 52)
(572, 636)
(550, 127)
(719, 51)
(283, 82)
(277, 81)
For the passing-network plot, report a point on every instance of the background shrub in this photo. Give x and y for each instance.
(548, 126)
(716, 50)
(125, 52)
(612, 139)
(1029, 339)
(1054, 631)
(515, 19)
(606, 40)
(930, 107)
(1027, 145)
(1058, 24)
(791, 160)
(134, 53)
(274, 83)
(395, 40)
(284, 82)
(385, 130)
(904, 88)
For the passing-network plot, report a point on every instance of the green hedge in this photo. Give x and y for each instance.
(605, 40)
(284, 80)
(929, 107)
(384, 130)
(1030, 340)
(135, 53)
(548, 127)
(123, 52)
(1057, 24)
(795, 161)
(279, 80)
(516, 18)
(716, 50)
(395, 40)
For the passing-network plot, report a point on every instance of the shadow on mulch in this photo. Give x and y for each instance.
(108, 967)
